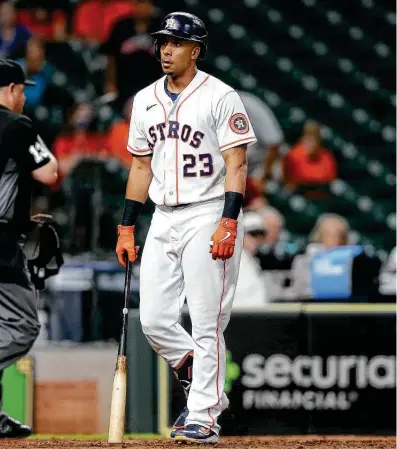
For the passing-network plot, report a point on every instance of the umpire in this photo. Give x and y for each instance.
(23, 159)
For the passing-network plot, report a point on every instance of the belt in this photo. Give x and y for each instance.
(180, 206)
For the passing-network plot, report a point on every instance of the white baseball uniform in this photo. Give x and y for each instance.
(186, 139)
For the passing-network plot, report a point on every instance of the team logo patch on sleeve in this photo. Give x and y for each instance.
(239, 123)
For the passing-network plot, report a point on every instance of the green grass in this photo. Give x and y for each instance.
(102, 436)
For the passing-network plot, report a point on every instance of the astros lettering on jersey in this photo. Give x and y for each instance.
(186, 138)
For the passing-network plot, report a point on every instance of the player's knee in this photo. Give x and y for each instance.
(152, 325)
(155, 335)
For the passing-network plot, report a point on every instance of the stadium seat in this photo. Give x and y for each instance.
(291, 57)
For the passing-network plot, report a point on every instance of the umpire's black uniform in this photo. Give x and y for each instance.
(21, 152)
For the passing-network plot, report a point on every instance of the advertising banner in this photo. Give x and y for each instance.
(312, 373)
(320, 372)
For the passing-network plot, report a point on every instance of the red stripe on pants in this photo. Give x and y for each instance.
(217, 341)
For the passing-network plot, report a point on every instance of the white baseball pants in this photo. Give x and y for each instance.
(176, 263)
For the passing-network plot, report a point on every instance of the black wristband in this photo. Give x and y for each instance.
(233, 204)
(131, 212)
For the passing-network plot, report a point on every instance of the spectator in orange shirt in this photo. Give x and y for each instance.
(94, 19)
(77, 141)
(307, 162)
(116, 141)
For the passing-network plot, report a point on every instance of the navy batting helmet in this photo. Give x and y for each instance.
(183, 25)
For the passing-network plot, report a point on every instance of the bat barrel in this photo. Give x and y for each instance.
(117, 408)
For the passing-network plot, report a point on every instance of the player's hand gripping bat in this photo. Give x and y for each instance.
(117, 408)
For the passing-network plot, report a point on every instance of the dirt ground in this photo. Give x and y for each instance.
(304, 442)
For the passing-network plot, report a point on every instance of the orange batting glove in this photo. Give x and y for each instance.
(224, 239)
(126, 248)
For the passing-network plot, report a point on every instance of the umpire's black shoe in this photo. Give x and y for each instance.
(11, 428)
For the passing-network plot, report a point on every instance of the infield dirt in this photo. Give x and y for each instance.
(304, 442)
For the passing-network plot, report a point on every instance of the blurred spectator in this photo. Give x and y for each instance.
(44, 22)
(131, 63)
(250, 289)
(274, 252)
(262, 155)
(254, 232)
(38, 69)
(13, 36)
(94, 19)
(274, 226)
(77, 141)
(116, 141)
(307, 163)
(330, 231)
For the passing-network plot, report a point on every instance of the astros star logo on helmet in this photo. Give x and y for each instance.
(172, 24)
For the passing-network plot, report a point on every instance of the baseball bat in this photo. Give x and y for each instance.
(119, 392)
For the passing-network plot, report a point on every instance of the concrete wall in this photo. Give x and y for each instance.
(73, 388)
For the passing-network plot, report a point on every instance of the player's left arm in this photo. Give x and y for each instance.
(236, 169)
(223, 241)
(234, 133)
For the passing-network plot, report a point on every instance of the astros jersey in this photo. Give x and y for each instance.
(186, 138)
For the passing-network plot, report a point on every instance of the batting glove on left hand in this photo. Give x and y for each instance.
(224, 239)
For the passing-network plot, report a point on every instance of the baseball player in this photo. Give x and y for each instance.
(188, 136)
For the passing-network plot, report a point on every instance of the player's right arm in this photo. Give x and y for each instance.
(139, 180)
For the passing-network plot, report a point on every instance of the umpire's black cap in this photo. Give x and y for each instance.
(12, 72)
